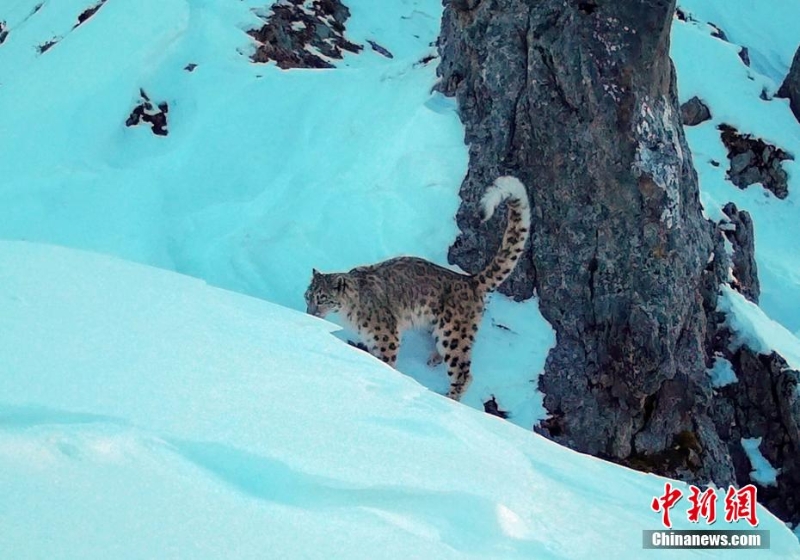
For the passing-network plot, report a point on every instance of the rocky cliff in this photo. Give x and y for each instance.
(579, 100)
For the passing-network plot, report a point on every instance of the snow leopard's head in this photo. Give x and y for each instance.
(326, 293)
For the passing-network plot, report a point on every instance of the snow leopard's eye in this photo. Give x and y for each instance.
(323, 298)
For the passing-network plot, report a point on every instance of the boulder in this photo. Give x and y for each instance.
(694, 112)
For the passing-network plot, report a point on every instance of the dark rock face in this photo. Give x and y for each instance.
(296, 28)
(744, 54)
(716, 31)
(492, 407)
(763, 403)
(578, 100)
(755, 161)
(89, 12)
(47, 45)
(694, 112)
(790, 89)
(739, 232)
(3, 32)
(383, 51)
(147, 112)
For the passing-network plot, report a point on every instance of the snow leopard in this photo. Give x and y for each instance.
(381, 301)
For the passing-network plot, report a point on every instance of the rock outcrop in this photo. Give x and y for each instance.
(47, 45)
(752, 160)
(304, 34)
(85, 15)
(579, 101)
(151, 113)
(764, 403)
(694, 112)
(744, 55)
(790, 89)
(739, 232)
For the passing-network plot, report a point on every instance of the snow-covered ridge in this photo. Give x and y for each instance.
(167, 418)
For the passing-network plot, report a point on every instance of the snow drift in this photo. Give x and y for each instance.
(146, 414)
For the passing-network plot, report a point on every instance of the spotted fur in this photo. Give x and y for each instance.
(382, 300)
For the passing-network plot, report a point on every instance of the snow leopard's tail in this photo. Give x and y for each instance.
(517, 231)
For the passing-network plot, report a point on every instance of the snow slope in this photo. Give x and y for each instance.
(264, 174)
(144, 414)
(754, 329)
(711, 69)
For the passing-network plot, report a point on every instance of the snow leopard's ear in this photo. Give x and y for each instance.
(341, 283)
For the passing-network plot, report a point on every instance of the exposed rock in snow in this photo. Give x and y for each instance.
(694, 112)
(491, 407)
(716, 31)
(304, 34)
(755, 161)
(790, 89)
(47, 45)
(763, 403)
(89, 12)
(154, 115)
(383, 51)
(740, 235)
(744, 54)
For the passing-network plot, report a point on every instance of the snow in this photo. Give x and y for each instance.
(768, 31)
(722, 373)
(712, 70)
(754, 329)
(168, 418)
(763, 472)
(512, 338)
(265, 173)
